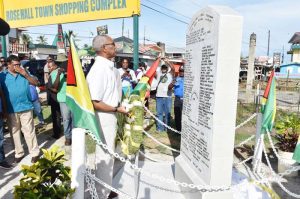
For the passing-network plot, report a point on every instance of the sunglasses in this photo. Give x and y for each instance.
(112, 44)
(2, 61)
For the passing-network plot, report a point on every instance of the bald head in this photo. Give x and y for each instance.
(104, 46)
(99, 41)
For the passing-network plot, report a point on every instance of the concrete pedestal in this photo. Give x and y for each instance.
(184, 172)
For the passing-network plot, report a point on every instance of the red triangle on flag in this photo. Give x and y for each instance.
(71, 78)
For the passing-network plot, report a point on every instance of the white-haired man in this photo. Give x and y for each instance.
(105, 87)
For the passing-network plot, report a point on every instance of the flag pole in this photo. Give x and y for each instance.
(78, 162)
(259, 137)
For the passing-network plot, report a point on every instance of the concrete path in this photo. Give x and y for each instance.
(10, 178)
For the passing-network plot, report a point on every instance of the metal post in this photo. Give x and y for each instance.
(4, 48)
(259, 137)
(78, 162)
(135, 42)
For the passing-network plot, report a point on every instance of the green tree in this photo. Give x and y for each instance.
(42, 40)
(26, 38)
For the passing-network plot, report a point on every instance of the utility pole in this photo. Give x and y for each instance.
(144, 35)
(250, 71)
(123, 28)
(282, 59)
(135, 42)
(268, 43)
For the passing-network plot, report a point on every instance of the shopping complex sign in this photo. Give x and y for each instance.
(25, 13)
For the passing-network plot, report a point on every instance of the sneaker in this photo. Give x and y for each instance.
(34, 159)
(17, 160)
(5, 165)
(68, 142)
(112, 195)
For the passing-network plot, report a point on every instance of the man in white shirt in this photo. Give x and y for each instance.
(164, 95)
(104, 83)
(128, 77)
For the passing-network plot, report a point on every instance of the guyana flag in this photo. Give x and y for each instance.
(78, 95)
(296, 155)
(145, 82)
(268, 108)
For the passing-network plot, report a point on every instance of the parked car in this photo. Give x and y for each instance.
(36, 68)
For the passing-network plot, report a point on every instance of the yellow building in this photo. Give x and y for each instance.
(295, 48)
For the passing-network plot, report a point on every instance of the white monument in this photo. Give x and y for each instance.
(211, 86)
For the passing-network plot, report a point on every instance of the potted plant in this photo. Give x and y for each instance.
(287, 133)
(47, 178)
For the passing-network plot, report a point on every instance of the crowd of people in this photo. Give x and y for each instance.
(106, 84)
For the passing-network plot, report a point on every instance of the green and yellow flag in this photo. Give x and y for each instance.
(268, 108)
(296, 155)
(78, 95)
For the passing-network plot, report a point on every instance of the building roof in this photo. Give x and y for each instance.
(295, 38)
(171, 49)
(291, 64)
(123, 39)
(34, 46)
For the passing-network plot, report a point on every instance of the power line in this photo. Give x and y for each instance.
(169, 9)
(195, 3)
(164, 14)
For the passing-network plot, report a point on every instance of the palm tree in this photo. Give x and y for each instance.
(26, 38)
(42, 40)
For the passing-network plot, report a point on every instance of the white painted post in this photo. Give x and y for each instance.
(259, 137)
(78, 162)
(258, 144)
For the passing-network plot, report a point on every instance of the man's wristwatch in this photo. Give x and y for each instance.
(116, 109)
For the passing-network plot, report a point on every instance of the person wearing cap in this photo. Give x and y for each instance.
(60, 84)
(15, 83)
(178, 86)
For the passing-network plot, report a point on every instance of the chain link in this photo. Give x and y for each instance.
(174, 130)
(275, 152)
(244, 161)
(245, 141)
(158, 142)
(246, 121)
(92, 177)
(274, 173)
(161, 122)
(160, 178)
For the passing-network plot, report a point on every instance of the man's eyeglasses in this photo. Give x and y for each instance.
(2, 61)
(49, 60)
(112, 44)
(16, 64)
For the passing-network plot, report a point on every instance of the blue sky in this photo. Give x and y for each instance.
(278, 16)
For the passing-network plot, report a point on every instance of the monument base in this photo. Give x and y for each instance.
(184, 173)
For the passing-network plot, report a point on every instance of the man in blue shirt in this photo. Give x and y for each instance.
(178, 92)
(15, 84)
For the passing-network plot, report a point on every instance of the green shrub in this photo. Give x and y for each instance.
(287, 132)
(48, 178)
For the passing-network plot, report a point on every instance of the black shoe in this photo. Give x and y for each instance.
(5, 165)
(56, 137)
(34, 159)
(112, 195)
(17, 160)
(68, 142)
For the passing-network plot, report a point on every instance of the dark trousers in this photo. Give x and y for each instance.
(178, 102)
(56, 121)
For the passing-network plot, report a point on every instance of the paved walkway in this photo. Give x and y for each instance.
(10, 178)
